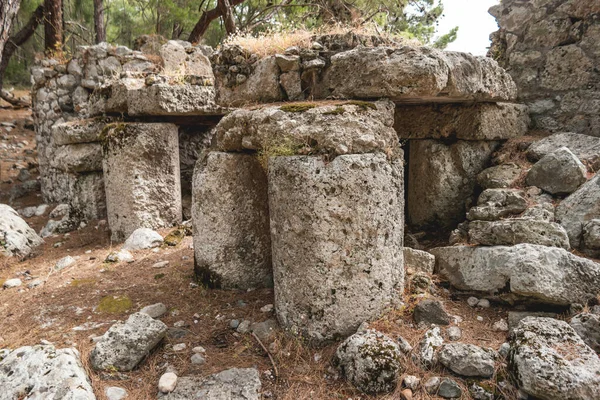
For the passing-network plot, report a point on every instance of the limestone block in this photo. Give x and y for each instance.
(88, 200)
(336, 231)
(178, 100)
(79, 131)
(415, 74)
(559, 172)
(586, 148)
(518, 230)
(117, 100)
(81, 157)
(540, 274)
(579, 208)
(141, 177)
(230, 384)
(230, 213)
(351, 127)
(486, 121)
(442, 179)
(181, 58)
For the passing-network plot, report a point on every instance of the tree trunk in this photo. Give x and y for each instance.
(13, 44)
(53, 25)
(223, 9)
(8, 10)
(99, 25)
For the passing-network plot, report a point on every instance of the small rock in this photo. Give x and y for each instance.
(64, 263)
(155, 310)
(244, 326)
(449, 389)
(265, 331)
(472, 301)
(480, 393)
(454, 333)
(411, 382)
(234, 323)
(428, 346)
(467, 360)
(179, 347)
(198, 359)
(199, 350)
(432, 384)
(143, 238)
(12, 283)
(34, 283)
(500, 326)
(267, 309)
(117, 256)
(479, 318)
(587, 326)
(160, 264)
(404, 346)
(167, 382)
(115, 393)
(504, 349)
(431, 312)
(483, 303)
(179, 324)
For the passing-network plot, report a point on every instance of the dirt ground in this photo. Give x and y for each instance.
(64, 310)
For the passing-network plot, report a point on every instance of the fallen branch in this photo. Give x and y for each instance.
(269, 354)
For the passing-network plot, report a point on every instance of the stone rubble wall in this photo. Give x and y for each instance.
(551, 48)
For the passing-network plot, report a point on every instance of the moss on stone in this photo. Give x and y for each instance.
(83, 282)
(114, 304)
(336, 111)
(111, 133)
(176, 236)
(297, 107)
(363, 105)
(277, 148)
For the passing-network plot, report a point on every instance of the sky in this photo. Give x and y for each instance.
(474, 22)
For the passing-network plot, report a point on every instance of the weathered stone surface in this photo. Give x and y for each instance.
(537, 273)
(231, 384)
(292, 85)
(518, 230)
(442, 179)
(143, 238)
(586, 148)
(515, 317)
(230, 213)
(418, 261)
(467, 359)
(44, 372)
(494, 204)
(141, 177)
(176, 100)
(429, 346)
(319, 211)
(87, 200)
(181, 58)
(587, 326)
(559, 172)
(484, 121)
(550, 361)
(16, 237)
(500, 176)
(371, 361)
(117, 101)
(79, 131)
(335, 129)
(155, 310)
(591, 238)
(429, 312)
(124, 345)
(84, 157)
(449, 389)
(582, 206)
(415, 74)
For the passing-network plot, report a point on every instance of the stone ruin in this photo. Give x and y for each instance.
(301, 171)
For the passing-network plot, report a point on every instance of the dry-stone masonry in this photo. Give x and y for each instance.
(551, 48)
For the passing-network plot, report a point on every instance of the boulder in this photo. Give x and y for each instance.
(494, 204)
(44, 372)
(587, 326)
(550, 361)
(558, 172)
(231, 384)
(371, 361)
(518, 230)
(16, 237)
(344, 128)
(336, 232)
(416, 261)
(141, 177)
(582, 206)
(230, 214)
(442, 180)
(585, 148)
(481, 121)
(500, 176)
(143, 238)
(530, 272)
(124, 345)
(429, 312)
(467, 359)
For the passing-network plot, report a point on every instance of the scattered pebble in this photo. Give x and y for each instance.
(454, 333)
(12, 283)
(266, 309)
(234, 323)
(199, 350)
(115, 393)
(479, 318)
(160, 264)
(155, 310)
(244, 327)
(472, 301)
(179, 346)
(483, 303)
(179, 324)
(500, 326)
(167, 382)
(64, 263)
(197, 359)
(411, 382)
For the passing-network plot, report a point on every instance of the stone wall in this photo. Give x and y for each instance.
(551, 48)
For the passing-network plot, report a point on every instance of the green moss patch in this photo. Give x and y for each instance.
(114, 304)
(336, 111)
(159, 276)
(83, 282)
(363, 105)
(176, 236)
(297, 107)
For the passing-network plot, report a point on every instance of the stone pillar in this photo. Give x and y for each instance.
(230, 212)
(337, 231)
(442, 179)
(141, 177)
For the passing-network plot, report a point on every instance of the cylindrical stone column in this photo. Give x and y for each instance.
(337, 231)
(230, 213)
(141, 177)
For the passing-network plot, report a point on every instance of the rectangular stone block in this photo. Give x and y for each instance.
(337, 231)
(79, 131)
(442, 180)
(81, 157)
(176, 100)
(88, 199)
(484, 121)
(141, 177)
(230, 213)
